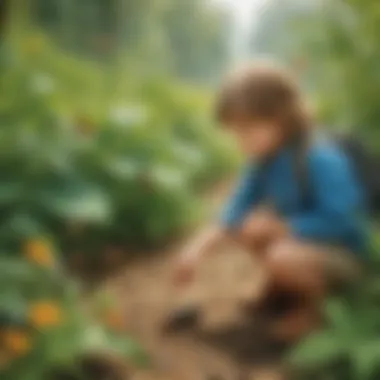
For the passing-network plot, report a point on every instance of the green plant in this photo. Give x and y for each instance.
(348, 348)
(124, 174)
(42, 322)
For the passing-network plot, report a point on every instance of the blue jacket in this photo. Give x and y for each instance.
(337, 215)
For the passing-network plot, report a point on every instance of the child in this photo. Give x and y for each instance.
(304, 245)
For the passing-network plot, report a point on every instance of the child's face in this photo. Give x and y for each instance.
(257, 138)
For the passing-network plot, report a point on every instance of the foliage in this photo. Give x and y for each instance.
(338, 44)
(186, 37)
(280, 18)
(96, 158)
(41, 320)
(125, 174)
(348, 348)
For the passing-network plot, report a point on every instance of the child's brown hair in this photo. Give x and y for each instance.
(263, 91)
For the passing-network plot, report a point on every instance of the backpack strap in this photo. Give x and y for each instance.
(261, 182)
(301, 169)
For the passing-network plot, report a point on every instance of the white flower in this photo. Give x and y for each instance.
(190, 154)
(94, 337)
(42, 84)
(129, 115)
(168, 177)
(124, 167)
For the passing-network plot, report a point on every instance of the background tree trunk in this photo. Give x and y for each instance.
(4, 8)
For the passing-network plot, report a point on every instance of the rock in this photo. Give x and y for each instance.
(182, 320)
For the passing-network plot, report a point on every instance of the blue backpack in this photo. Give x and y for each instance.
(366, 164)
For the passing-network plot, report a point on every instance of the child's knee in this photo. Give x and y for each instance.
(279, 259)
(288, 262)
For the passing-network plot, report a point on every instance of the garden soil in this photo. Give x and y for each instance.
(216, 347)
(221, 344)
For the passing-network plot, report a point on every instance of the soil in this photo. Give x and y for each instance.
(213, 339)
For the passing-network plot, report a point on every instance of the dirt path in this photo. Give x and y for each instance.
(147, 295)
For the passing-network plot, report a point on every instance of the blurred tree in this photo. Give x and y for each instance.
(4, 6)
(190, 37)
(275, 33)
(197, 35)
(88, 26)
(341, 42)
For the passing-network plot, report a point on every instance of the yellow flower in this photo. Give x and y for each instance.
(17, 342)
(39, 252)
(45, 314)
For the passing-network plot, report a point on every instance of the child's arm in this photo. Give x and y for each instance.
(209, 240)
(337, 196)
(213, 237)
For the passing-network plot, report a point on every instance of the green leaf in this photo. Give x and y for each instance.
(131, 349)
(364, 357)
(170, 178)
(16, 269)
(94, 337)
(123, 168)
(10, 192)
(23, 226)
(12, 307)
(318, 350)
(85, 203)
(340, 317)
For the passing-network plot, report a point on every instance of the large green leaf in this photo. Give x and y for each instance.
(10, 192)
(123, 168)
(84, 203)
(318, 350)
(22, 226)
(365, 358)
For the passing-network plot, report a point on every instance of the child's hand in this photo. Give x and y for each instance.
(262, 227)
(188, 261)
